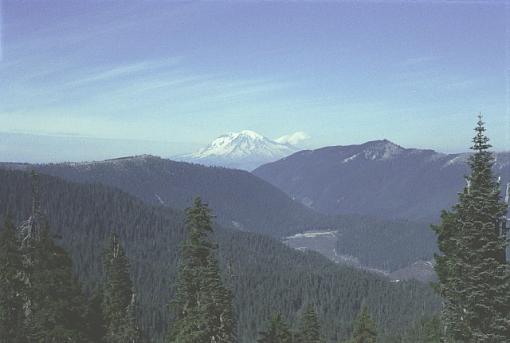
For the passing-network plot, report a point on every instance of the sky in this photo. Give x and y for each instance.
(84, 80)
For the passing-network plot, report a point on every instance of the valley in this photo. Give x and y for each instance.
(326, 243)
(244, 202)
(395, 243)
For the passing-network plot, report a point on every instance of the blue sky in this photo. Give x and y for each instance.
(97, 79)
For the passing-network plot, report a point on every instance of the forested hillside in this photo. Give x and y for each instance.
(238, 197)
(377, 178)
(264, 275)
(386, 244)
(247, 203)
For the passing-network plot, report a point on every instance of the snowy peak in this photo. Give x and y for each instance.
(242, 144)
(251, 134)
(245, 150)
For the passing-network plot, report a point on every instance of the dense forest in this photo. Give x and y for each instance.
(239, 198)
(264, 276)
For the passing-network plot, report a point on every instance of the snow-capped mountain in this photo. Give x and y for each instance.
(242, 150)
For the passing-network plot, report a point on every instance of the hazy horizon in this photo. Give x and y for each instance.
(104, 148)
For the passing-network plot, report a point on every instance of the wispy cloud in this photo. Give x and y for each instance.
(430, 79)
(146, 84)
(88, 101)
(422, 73)
(128, 70)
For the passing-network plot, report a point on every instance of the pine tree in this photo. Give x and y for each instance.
(448, 270)
(432, 330)
(95, 318)
(57, 305)
(11, 287)
(309, 329)
(364, 328)
(277, 332)
(474, 278)
(427, 330)
(217, 304)
(202, 304)
(131, 331)
(118, 297)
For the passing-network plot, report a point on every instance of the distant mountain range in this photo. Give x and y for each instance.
(377, 178)
(241, 150)
(378, 197)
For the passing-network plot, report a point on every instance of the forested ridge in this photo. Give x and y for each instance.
(239, 198)
(264, 276)
(378, 178)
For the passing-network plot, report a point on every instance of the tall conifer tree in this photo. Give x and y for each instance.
(202, 305)
(364, 328)
(57, 305)
(217, 304)
(427, 330)
(309, 329)
(474, 278)
(95, 317)
(118, 297)
(11, 287)
(277, 332)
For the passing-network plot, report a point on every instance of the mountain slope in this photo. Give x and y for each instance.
(242, 150)
(240, 199)
(245, 202)
(261, 269)
(378, 178)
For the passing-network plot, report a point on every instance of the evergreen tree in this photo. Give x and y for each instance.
(11, 287)
(277, 332)
(217, 304)
(432, 330)
(474, 278)
(364, 328)
(118, 297)
(449, 273)
(57, 305)
(309, 329)
(425, 331)
(95, 317)
(203, 306)
(129, 328)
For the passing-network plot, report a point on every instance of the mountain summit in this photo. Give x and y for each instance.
(376, 151)
(242, 150)
(377, 178)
